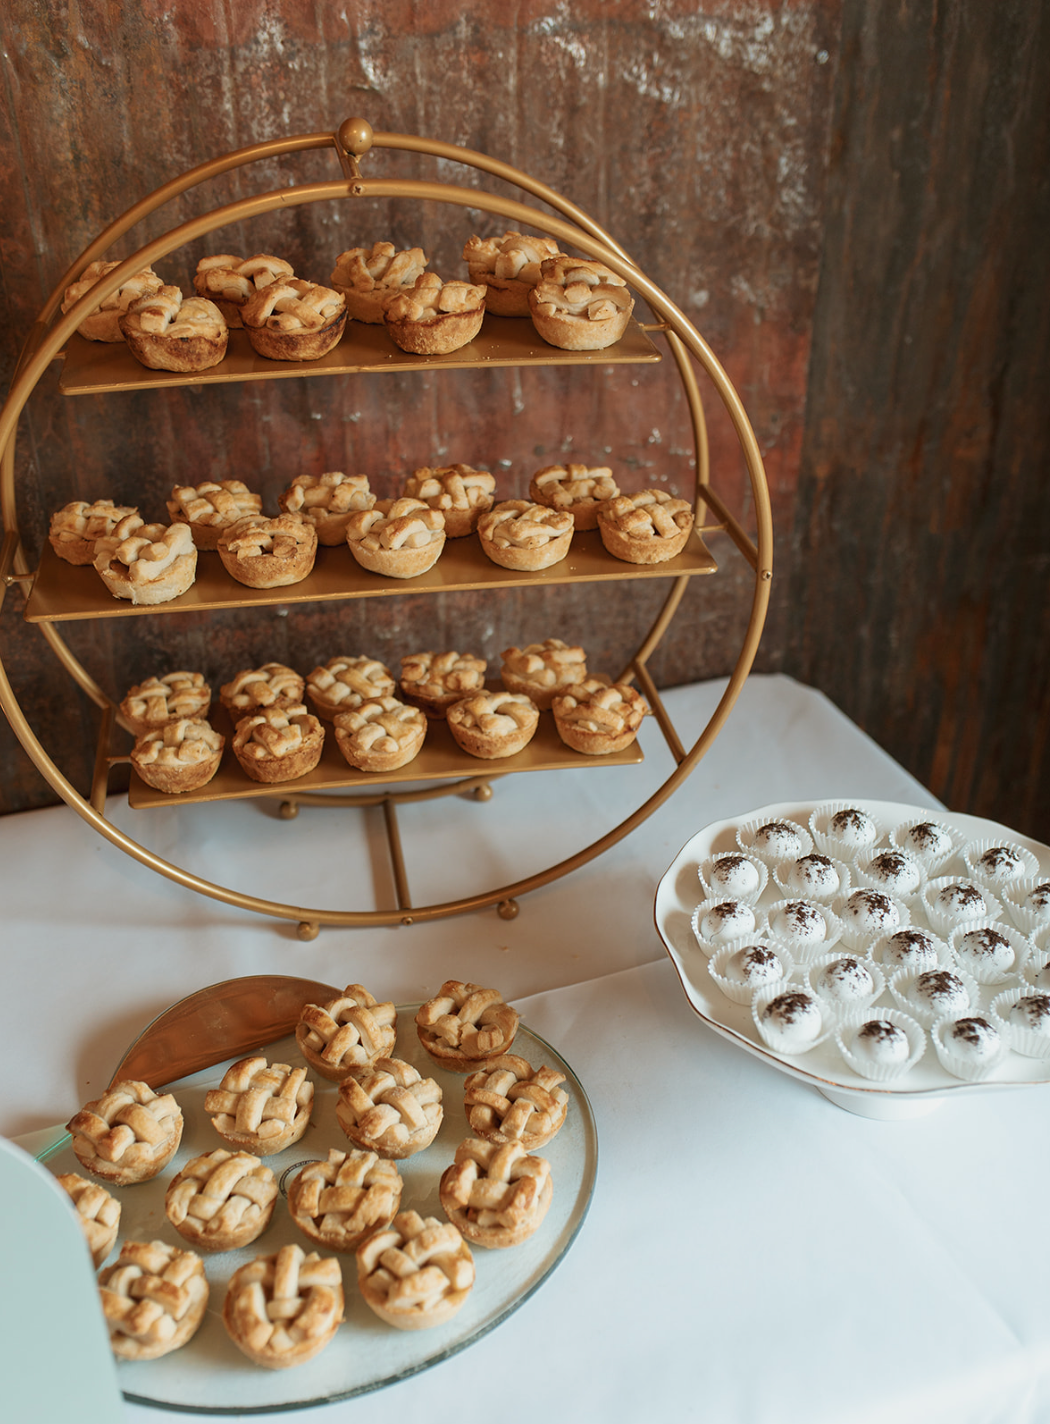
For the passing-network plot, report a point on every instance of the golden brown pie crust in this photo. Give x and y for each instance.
(434, 318)
(127, 1135)
(76, 528)
(97, 1211)
(540, 671)
(496, 1195)
(597, 718)
(181, 756)
(103, 324)
(645, 528)
(492, 725)
(510, 1101)
(579, 305)
(433, 681)
(153, 1297)
(462, 493)
(369, 277)
(294, 320)
(508, 267)
(230, 282)
(150, 704)
(261, 1107)
(343, 683)
(169, 332)
(272, 685)
(579, 489)
(282, 1310)
(327, 501)
(278, 743)
(221, 1200)
(146, 563)
(465, 1026)
(389, 1108)
(211, 507)
(351, 1031)
(415, 1273)
(517, 534)
(402, 538)
(336, 1203)
(380, 735)
(269, 553)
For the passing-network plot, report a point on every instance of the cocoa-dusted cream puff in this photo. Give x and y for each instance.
(369, 276)
(146, 563)
(465, 1026)
(433, 681)
(327, 501)
(272, 685)
(294, 320)
(415, 1273)
(127, 1135)
(434, 318)
(462, 493)
(517, 534)
(268, 553)
(336, 1203)
(343, 683)
(76, 527)
(103, 324)
(580, 489)
(282, 1310)
(261, 1107)
(230, 282)
(597, 718)
(278, 744)
(402, 538)
(645, 528)
(211, 507)
(579, 305)
(178, 757)
(221, 1201)
(169, 332)
(496, 1195)
(380, 735)
(508, 267)
(492, 725)
(540, 671)
(153, 1298)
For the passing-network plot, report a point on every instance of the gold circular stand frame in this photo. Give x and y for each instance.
(55, 594)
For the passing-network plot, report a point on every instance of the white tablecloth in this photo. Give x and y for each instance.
(752, 1252)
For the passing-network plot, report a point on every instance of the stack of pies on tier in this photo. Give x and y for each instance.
(645, 528)
(579, 305)
(519, 535)
(434, 681)
(402, 538)
(380, 735)
(580, 489)
(540, 671)
(272, 685)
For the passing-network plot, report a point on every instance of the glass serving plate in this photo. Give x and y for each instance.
(920, 1090)
(210, 1375)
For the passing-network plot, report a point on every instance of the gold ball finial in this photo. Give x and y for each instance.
(355, 135)
(307, 930)
(508, 909)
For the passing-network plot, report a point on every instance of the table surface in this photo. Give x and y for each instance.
(752, 1252)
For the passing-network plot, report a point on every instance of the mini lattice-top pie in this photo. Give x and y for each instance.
(401, 538)
(211, 507)
(351, 1031)
(150, 704)
(153, 1297)
(181, 756)
(519, 535)
(579, 305)
(389, 1108)
(146, 563)
(261, 1107)
(369, 276)
(597, 718)
(221, 1200)
(508, 267)
(541, 671)
(336, 1203)
(344, 682)
(415, 1273)
(278, 743)
(459, 491)
(128, 1135)
(103, 324)
(381, 735)
(282, 1310)
(272, 685)
(645, 528)
(576, 488)
(77, 527)
(230, 282)
(496, 1195)
(465, 1026)
(97, 1212)
(432, 317)
(169, 332)
(268, 553)
(492, 725)
(294, 320)
(433, 681)
(510, 1101)
(328, 501)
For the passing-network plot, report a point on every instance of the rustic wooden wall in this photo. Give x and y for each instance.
(826, 188)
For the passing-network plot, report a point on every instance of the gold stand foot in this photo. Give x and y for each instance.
(288, 810)
(508, 909)
(308, 929)
(483, 792)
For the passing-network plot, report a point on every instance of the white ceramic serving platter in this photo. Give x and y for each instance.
(210, 1375)
(926, 1085)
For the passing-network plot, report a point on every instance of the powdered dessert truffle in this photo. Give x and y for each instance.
(942, 992)
(894, 871)
(912, 949)
(814, 875)
(1032, 1012)
(881, 1042)
(845, 980)
(973, 1038)
(791, 1022)
(779, 840)
(999, 864)
(869, 912)
(727, 920)
(800, 924)
(852, 829)
(927, 840)
(986, 952)
(754, 965)
(735, 874)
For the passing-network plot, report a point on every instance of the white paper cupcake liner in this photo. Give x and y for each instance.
(859, 936)
(803, 951)
(970, 1070)
(932, 860)
(714, 890)
(828, 843)
(1035, 972)
(745, 839)
(845, 1008)
(864, 875)
(1028, 921)
(903, 982)
(988, 974)
(973, 850)
(1021, 1039)
(941, 954)
(944, 922)
(843, 881)
(734, 989)
(709, 945)
(764, 997)
(846, 1035)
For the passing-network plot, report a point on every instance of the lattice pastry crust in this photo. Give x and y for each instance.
(153, 1297)
(97, 1212)
(432, 317)
(464, 1026)
(596, 718)
(181, 756)
(541, 671)
(492, 725)
(230, 282)
(579, 305)
(510, 1101)
(328, 501)
(268, 553)
(381, 735)
(282, 1310)
(294, 320)
(261, 1107)
(166, 331)
(150, 704)
(103, 324)
(462, 494)
(576, 488)
(278, 743)
(508, 267)
(128, 1135)
(401, 538)
(221, 1200)
(146, 563)
(416, 1273)
(496, 1195)
(336, 1203)
(369, 276)
(519, 535)
(645, 528)
(351, 1031)
(343, 683)
(211, 507)
(272, 685)
(76, 527)
(389, 1109)
(433, 681)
